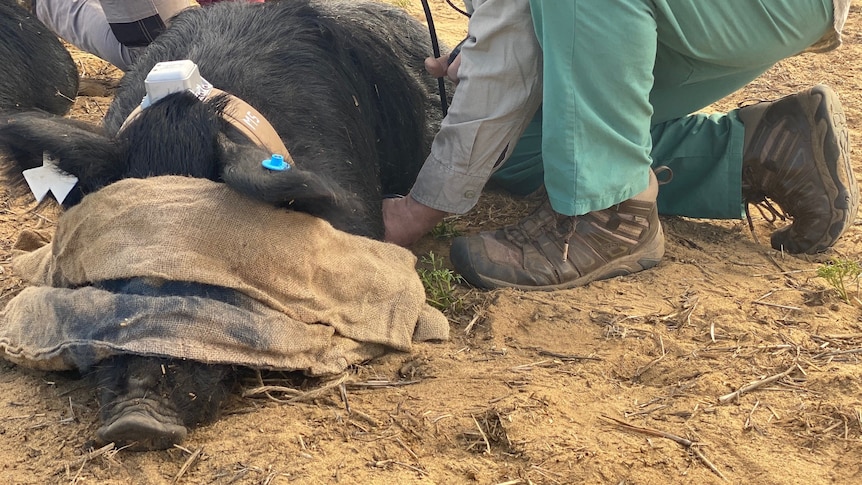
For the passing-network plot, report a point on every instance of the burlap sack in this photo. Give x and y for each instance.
(187, 268)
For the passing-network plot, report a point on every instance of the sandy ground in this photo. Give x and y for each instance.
(623, 381)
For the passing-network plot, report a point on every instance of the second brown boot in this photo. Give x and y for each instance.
(797, 155)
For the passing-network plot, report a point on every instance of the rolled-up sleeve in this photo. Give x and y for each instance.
(498, 94)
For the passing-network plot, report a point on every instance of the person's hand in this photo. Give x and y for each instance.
(407, 221)
(439, 67)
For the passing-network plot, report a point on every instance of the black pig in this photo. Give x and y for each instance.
(343, 85)
(38, 71)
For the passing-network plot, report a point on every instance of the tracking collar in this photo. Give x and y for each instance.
(176, 76)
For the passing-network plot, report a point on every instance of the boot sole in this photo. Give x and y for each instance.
(840, 171)
(834, 167)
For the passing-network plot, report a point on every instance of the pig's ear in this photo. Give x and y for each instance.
(242, 169)
(80, 149)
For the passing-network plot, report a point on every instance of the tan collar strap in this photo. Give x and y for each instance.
(244, 118)
(252, 124)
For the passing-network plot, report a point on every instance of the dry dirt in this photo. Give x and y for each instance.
(618, 382)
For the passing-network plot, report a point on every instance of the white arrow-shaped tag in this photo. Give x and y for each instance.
(48, 178)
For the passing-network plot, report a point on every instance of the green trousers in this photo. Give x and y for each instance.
(621, 79)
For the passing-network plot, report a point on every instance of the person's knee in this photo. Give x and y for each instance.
(136, 24)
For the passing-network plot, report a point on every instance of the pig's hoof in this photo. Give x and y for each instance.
(139, 431)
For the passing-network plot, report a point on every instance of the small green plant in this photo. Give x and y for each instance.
(838, 273)
(445, 230)
(439, 283)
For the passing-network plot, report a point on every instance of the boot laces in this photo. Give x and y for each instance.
(764, 206)
(543, 220)
(519, 233)
(567, 236)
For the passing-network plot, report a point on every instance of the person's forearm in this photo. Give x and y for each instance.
(498, 93)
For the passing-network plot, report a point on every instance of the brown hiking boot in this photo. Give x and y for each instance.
(797, 154)
(550, 251)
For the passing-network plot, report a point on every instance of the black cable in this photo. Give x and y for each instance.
(457, 9)
(435, 46)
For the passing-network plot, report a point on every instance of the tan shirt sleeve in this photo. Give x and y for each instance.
(500, 90)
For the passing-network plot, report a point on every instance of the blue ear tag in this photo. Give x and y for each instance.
(275, 163)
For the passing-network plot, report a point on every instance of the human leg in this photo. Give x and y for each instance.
(94, 25)
(137, 23)
(522, 173)
(692, 70)
(594, 147)
(595, 128)
(705, 155)
(797, 155)
(83, 24)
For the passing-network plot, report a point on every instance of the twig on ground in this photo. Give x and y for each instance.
(756, 384)
(365, 417)
(383, 463)
(407, 449)
(653, 362)
(298, 396)
(706, 462)
(89, 456)
(795, 271)
(484, 437)
(545, 473)
(381, 383)
(774, 262)
(647, 411)
(193, 458)
(776, 305)
(72, 417)
(685, 443)
(266, 390)
(315, 393)
(750, 414)
(342, 389)
(564, 357)
(836, 353)
(531, 365)
(23, 416)
(469, 327)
